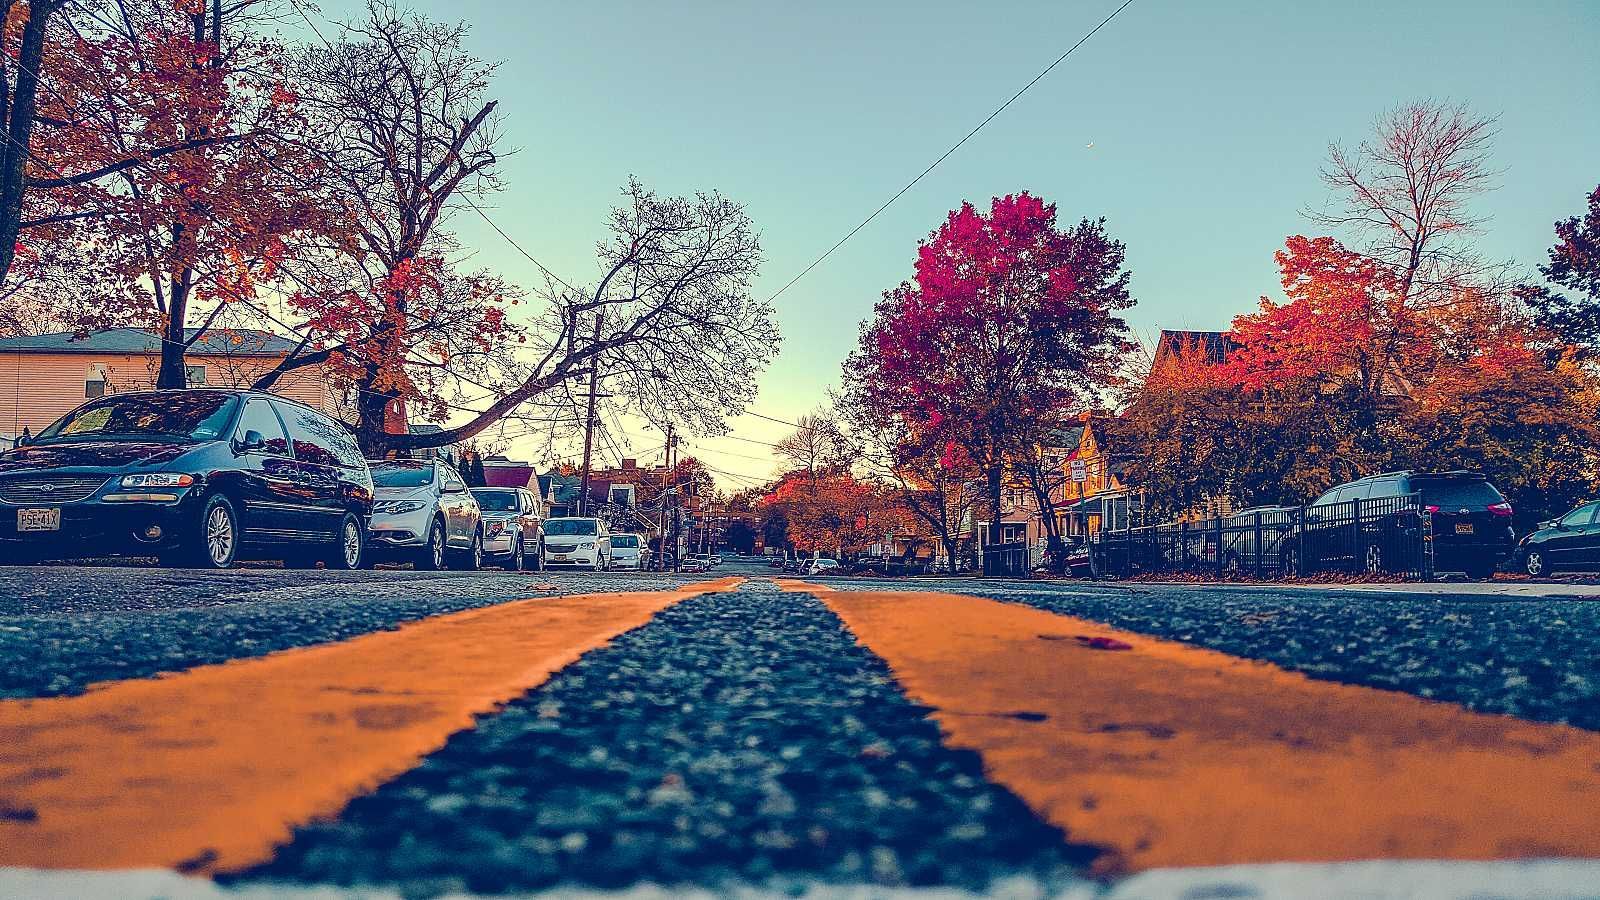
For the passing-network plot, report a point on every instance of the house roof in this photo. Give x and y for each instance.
(1215, 346)
(215, 342)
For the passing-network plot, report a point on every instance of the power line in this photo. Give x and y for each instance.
(957, 146)
(500, 231)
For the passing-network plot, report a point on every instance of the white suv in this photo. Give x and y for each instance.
(582, 543)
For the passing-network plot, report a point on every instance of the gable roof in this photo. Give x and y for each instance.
(215, 342)
(1214, 346)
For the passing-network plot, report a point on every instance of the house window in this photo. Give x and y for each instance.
(95, 384)
(195, 376)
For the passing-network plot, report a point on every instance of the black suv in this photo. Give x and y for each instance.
(1367, 518)
(196, 477)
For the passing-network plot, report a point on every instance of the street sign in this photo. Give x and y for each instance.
(1080, 471)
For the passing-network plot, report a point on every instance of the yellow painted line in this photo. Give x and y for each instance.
(1170, 755)
(210, 769)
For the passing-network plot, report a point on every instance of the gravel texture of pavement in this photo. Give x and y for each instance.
(1534, 658)
(741, 738)
(64, 628)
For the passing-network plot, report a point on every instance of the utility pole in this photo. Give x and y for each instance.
(666, 485)
(588, 422)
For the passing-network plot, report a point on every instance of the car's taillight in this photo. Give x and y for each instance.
(1500, 509)
(1431, 508)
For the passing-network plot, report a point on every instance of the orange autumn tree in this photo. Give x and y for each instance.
(833, 513)
(192, 237)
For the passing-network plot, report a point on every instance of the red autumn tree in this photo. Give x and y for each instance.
(1342, 321)
(1008, 316)
(180, 238)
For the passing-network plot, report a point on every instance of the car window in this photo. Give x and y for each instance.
(497, 500)
(1458, 493)
(401, 475)
(452, 481)
(565, 527)
(1583, 515)
(259, 417)
(191, 415)
(317, 439)
(625, 541)
(1330, 497)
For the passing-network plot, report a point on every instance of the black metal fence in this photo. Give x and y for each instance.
(1006, 560)
(1390, 535)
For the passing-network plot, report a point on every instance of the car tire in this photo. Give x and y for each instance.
(433, 555)
(350, 552)
(1373, 564)
(1536, 565)
(470, 559)
(215, 541)
(519, 556)
(1480, 571)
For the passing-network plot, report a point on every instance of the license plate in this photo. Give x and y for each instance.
(1463, 528)
(39, 519)
(558, 556)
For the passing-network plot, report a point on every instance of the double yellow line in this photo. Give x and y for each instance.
(209, 770)
(1161, 753)
(1169, 755)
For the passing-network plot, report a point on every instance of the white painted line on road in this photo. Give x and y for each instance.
(1367, 880)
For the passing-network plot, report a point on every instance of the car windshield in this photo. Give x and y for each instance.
(1458, 493)
(626, 541)
(180, 415)
(570, 526)
(391, 476)
(496, 501)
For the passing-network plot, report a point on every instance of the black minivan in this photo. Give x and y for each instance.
(195, 477)
(1472, 530)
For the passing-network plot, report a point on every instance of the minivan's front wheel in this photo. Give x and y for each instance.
(351, 550)
(215, 543)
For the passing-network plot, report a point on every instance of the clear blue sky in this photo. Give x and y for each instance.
(1208, 122)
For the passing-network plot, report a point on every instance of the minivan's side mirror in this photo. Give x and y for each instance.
(252, 440)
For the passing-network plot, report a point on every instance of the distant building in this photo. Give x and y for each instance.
(43, 377)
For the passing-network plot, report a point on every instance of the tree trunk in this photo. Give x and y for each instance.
(173, 374)
(19, 129)
(372, 408)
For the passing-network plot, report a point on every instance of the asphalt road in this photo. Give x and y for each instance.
(743, 737)
(1533, 658)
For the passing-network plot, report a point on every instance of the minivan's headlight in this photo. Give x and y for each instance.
(157, 480)
(586, 545)
(396, 507)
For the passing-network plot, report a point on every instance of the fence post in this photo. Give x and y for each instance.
(1358, 543)
(1220, 555)
(1260, 547)
(1183, 550)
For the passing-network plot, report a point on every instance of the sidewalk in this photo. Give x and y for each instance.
(1529, 589)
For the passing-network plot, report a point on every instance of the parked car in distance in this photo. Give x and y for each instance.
(823, 566)
(513, 532)
(1472, 530)
(425, 515)
(692, 564)
(577, 542)
(629, 551)
(195, 477)
(716, 560)
(1569, 542)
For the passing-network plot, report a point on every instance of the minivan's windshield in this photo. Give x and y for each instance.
(392, 475)
(570, 526)
(179, 415)
(625, 541)
(496, 501)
